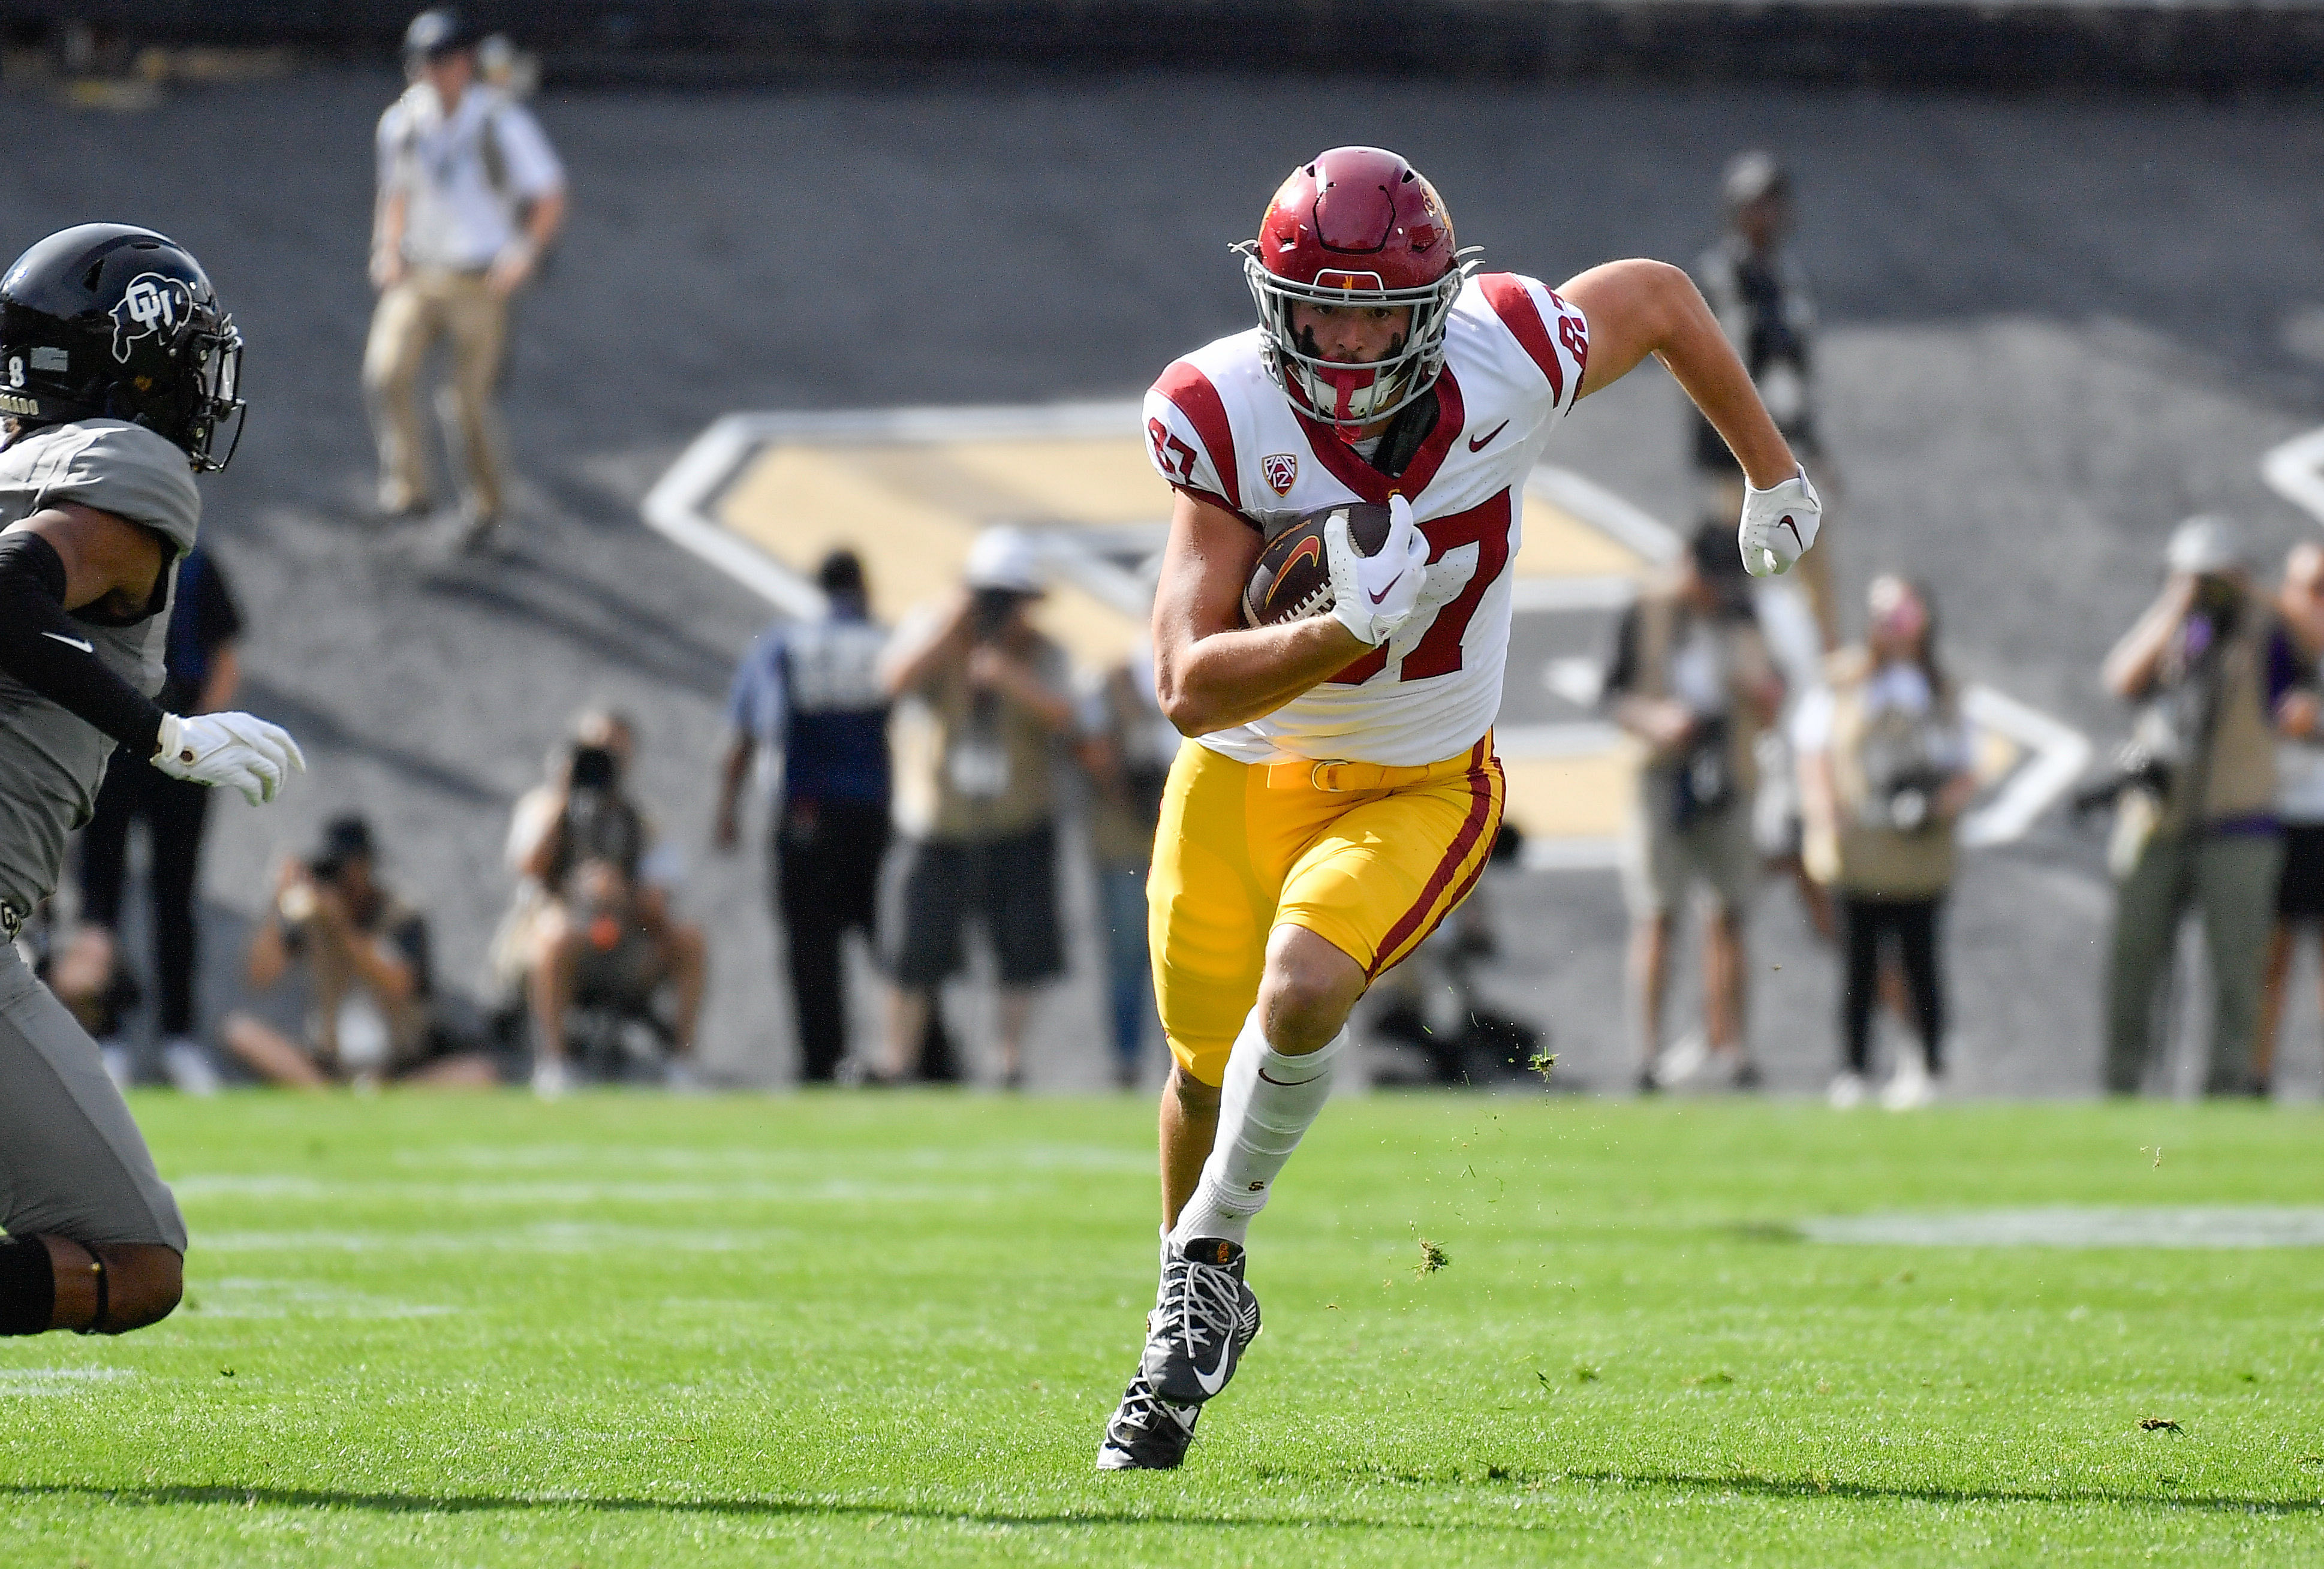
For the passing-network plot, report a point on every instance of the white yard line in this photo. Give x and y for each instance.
(2064, 1226)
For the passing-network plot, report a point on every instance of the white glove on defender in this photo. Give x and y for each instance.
(1779, 524)
(229, 749)
(1372, 596)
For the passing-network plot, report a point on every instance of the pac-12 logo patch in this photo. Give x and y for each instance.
(1281, 469)
(152, 306)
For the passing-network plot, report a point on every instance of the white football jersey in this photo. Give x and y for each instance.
(1217, 427)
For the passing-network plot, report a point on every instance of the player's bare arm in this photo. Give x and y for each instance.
(1210, 671)
(112, 565)
(1641, 308)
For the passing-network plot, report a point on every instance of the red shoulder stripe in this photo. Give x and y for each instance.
(1192, 393)
(1513, 303)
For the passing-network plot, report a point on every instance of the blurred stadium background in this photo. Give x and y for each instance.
(2064, 256)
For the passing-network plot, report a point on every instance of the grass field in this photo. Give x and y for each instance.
(840, 1330)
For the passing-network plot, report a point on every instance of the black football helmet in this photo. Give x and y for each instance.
(108, 321)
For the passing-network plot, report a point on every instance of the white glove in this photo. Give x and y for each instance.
(229, 749)
(1779, 524)
(1372, 596)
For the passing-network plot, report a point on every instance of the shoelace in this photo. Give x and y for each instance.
(1199, 1300)
(1141, 1406)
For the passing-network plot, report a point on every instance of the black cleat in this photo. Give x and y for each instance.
(1204, 1319)
(1148, 1432)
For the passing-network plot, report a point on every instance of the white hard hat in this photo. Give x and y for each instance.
(2205, 543)
(1005, 557)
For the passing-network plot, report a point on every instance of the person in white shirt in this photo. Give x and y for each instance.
(1886, 768)
(470, 196)
(2299, 798)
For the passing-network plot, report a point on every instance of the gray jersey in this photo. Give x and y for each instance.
(51, 762)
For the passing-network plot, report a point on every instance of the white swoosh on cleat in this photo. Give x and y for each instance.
(71, 642)
(1213, 1383)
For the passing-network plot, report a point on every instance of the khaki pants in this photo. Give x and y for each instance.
(2231, 879)
(413, 315)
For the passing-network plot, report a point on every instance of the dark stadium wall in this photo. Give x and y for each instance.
(2094, 45)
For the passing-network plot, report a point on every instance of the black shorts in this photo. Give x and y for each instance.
(2299, 890)
(1009, 886)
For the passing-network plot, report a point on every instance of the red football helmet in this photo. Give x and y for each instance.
(1359, 226)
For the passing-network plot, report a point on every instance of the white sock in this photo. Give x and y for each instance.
(1268, 1102)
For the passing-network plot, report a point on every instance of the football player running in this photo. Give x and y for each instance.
(1338, 793)
(116, 369)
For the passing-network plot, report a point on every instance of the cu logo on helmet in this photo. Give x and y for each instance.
(152, 306)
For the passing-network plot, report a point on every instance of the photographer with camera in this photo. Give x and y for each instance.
(1692, 678)
(600, 936)
(2299, 798)
(982, 700)
(361, 956)
(2195, 823)
(1885, 772)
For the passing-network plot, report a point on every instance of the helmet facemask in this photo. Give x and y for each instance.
(212, 391)
(1346, 395)
(191, 402)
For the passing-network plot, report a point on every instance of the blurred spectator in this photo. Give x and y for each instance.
(807, 703)
(594, 925)
(1128, 747)
(470, 198)
(359, 955)
(980, 699)
(2299, 798)
(1885, 773)
(1760, 294)
(1692, 679)
(2211, 664)
(82, 964)
(202, 671)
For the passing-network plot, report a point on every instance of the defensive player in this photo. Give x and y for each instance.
(119, 367)
(1339, 794)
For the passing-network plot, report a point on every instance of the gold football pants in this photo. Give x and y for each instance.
(1369, 858)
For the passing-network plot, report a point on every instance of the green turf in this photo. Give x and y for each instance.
(876, 1329)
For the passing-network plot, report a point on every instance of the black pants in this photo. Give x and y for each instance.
(825, 864)
(174, 811)
(1864, 921)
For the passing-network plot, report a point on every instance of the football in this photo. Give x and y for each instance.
(1291, 581)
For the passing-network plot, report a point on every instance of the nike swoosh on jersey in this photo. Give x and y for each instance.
(1479, 443)
(71, 642)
